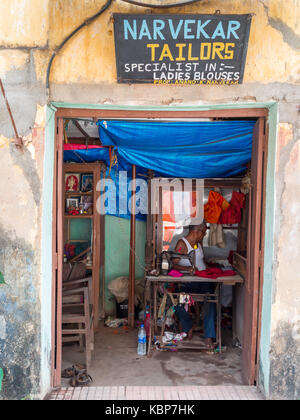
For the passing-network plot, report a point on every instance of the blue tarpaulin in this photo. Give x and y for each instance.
(214, 149)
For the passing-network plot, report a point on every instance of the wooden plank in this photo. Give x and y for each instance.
(172, 114)
(77, 124)
(131, 288)
(81, 167)
(194, 279)
(262, 243)
(54, 262)
(96, 247)
(60, 250)
(253, 258)
(102, 241)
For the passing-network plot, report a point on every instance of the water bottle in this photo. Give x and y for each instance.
(141, 350)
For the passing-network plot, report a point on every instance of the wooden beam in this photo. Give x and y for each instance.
(135, 114)
(131, 286)
(77, 125)
(92, 141)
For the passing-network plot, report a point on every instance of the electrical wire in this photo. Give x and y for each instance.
(162, 6)
(85, 23)
(102, 10)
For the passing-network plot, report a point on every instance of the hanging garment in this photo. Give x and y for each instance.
(216, 236)
(233, 213)
(214, 207)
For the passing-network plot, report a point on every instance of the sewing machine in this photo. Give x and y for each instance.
(166, 260)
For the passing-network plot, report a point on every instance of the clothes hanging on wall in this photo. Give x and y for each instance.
(215, 205)
(233, 213)
(216, 236)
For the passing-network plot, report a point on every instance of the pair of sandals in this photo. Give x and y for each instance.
(78, 375)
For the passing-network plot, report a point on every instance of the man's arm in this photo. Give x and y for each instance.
(180, 248)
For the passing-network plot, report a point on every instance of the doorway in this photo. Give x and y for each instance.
(254, 257)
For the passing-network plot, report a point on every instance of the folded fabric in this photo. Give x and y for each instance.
(214, 273)
(233, 213)
(175, 273)
(214, 207)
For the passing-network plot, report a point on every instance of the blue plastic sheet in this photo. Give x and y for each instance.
(216, 149)
(87, 155)
(182, 149)
(117, 195)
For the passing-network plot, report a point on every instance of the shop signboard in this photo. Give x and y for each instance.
(181, 49)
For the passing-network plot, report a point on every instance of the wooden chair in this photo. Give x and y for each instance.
(77, 312)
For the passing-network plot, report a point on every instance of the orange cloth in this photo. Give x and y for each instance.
(214, 207)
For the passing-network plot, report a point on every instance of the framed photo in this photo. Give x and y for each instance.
(87, 202)
(72, 203)
(72, 182)
(87, 182)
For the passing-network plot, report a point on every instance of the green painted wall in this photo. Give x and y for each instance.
(117, 241)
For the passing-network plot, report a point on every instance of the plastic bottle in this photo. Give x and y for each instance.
(141, 350)
(147, 324)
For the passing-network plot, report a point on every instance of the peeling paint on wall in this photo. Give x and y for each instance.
(285, 363)
(19, 311)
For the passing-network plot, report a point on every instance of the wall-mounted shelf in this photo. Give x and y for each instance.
(78, 216)
(97, 225)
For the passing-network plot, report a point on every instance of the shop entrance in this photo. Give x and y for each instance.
(249, 264)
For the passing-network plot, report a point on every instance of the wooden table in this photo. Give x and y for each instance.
(153, 282)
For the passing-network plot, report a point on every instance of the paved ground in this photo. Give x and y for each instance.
(120, 374)
(116, 363)
(160, 393)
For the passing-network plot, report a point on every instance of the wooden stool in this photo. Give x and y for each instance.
(77, 311)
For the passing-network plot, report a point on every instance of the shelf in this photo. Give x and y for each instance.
(78, 216)
(79, 193)
(78, 240)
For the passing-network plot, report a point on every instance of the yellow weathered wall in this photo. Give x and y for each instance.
(24, 23)
(90, 57)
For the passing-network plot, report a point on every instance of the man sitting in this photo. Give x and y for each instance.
(193, 242)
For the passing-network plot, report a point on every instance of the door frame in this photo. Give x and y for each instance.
(57, 246)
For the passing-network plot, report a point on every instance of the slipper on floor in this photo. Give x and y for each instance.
(82, 379)
(68, 372)
(79, 368)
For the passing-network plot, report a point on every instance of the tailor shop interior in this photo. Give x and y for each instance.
(180, 269)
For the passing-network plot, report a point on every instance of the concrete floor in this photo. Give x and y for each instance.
(116, 363)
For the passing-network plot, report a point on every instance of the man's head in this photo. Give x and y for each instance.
(199, 231)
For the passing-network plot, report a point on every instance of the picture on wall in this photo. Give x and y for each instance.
(72, 182)
(87, 182)
(72, 203)
(87, 202)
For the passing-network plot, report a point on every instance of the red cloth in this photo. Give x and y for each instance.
(214, 273)
(233, 213)
(72, 146)
(214, 207)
